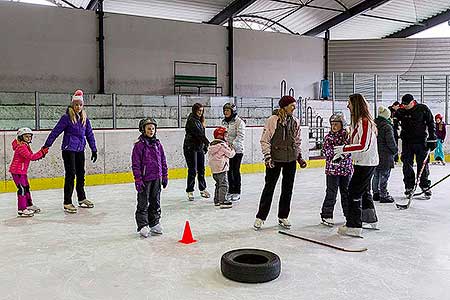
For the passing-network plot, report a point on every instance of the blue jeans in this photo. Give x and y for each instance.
(380, 182)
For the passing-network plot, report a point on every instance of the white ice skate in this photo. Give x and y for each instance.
(284, 223)
(34, 208)
(145, 231)
(328, 222)
(156, 230)
(190, 196)
(205, 194)
(258, 224)
(350, 231)
(25, 213)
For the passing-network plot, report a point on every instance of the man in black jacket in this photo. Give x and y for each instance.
(418, 135)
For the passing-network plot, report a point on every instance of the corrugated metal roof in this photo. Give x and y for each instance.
(289, 13)
(299, 19)
(183, 10)
(362, 27)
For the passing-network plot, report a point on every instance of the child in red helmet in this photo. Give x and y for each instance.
(219, 155)
(440, 135)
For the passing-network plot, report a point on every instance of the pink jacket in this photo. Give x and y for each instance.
(22, 157)
(219, 154)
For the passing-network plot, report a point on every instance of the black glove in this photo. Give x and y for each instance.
(431, 145)
(205, 149)
(94, 157)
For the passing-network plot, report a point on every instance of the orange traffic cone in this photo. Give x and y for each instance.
(187, 235)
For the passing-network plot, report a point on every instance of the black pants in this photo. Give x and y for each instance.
(396, 154)
(148, 209)
(333, 184)
(287, 184)
(234, 174)
(73, 166)
(408, 153)
(360, 208)
(195, 161)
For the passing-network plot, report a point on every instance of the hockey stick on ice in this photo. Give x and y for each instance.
(323, 243)
(410, 196)
(433, 185)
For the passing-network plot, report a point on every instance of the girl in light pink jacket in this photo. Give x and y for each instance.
(219, 155)
(19, 170)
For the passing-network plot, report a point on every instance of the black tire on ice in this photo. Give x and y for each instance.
(250, 265)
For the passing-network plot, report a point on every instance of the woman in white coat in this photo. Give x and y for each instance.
(236, 134)
(363, 147)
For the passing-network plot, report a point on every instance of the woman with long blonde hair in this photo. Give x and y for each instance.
(77, 129)
(363, 147)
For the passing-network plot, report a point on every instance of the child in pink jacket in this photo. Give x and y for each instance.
(19, 169)
(219, 155)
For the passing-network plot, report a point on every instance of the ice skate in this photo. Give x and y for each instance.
(34, 208)
(25, 213)
(156, 230)
(85, 203)
(145, 231)
(350, 231)
(258, 224)
(235, 197)
(226, 204)
(190, 196)
(70, 208)
(387, 199)
(205, 194)
(427, 194)
(284, 223)
(327, 222)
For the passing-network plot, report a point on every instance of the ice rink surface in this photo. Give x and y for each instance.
(97, 254)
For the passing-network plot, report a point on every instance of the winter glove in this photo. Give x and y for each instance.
(44, 151)
(338, 153)
(269, 163)
(205, 149)
(164, 182)
(431, 145)
(301, 162)
(94, 157)
(139, 186)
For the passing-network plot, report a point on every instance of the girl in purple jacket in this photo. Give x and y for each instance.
(150, 172)
(338, 173)
(77, 129)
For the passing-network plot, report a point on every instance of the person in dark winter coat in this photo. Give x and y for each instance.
(195, 147)
(395, 124)
(150, 172)
(77, 129)
(418, 136)
(337, 173)
(387, 148)
(439, 155)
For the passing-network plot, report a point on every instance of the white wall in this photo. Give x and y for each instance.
(140, 52)
(263, 59)
(52, 49)
(47, 48)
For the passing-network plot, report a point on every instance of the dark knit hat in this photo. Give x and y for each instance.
(286, 100)
(407, 98)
